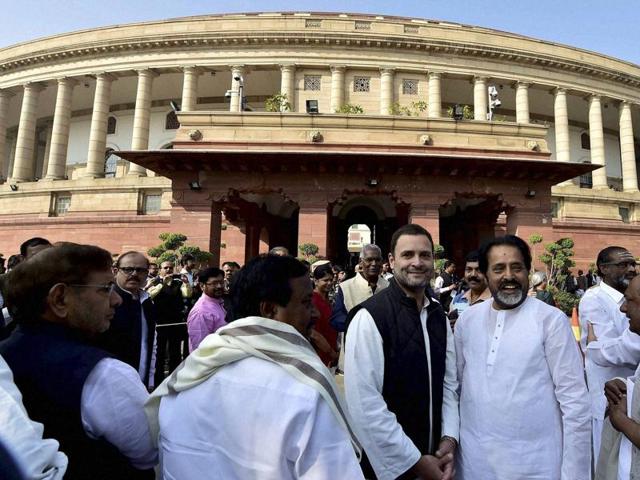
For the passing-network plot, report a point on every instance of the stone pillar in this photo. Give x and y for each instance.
(480, 98)
(5, 97)
(57, 159)
(427, 216)
(24, 165)
(288, 84)
(140, 138)
(561, 123)
(435, 95)
(237, 71)
(312, 226)
(387, 76)
(215, 233)
(522, 102)
(627, 150)
(190, 89)
(47, 151)
(596, 136)
(337, 87)
(98, 132)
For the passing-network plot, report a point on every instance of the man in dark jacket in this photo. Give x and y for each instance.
(131, 336)
(90, 402)
(400, 370)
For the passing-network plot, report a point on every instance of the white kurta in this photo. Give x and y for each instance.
(524, 408)
(252, 419)
(600, 306)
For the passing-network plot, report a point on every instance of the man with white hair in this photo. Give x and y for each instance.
(357, 289)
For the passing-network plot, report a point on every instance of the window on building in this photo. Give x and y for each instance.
(624, 214)
(361, 84)
(312, 82)
(171, 121)
(585, 141)
(60, 204)
(111, 125)
(110, 163)
(150, 203)
(554, 209)
(409, 86)
(411, 29)
(362, 25)
(312, 23)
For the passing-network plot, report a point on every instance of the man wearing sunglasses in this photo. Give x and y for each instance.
(131, 337)
(600, 312)
(92, 403)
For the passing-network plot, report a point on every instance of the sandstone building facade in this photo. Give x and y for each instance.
(92, 150)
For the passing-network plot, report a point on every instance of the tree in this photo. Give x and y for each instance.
(467, 112)
(350, 109)
(438, 254)
(534, 239)
(412, 110)
(173, 248)
(277, 103)
(557, 259)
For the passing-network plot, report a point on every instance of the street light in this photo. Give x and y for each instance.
(494, 102)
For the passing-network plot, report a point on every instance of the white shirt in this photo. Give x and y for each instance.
(38, 458)
(389, 449)
(253, 420)
(612, 355)
(524, 409)
(111, 407)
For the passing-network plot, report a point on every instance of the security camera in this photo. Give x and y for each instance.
(228, 94)
(496, 103)
(237, 78)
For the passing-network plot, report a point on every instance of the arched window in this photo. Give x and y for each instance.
(585, 141)
(110, 163)
(111, 125)
(171, 121)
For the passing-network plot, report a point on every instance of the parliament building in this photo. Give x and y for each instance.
(248, 131)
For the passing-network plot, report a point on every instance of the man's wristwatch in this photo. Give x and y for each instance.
(450, 439)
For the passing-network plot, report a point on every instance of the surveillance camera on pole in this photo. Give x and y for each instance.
(494, 102)
(240, 80)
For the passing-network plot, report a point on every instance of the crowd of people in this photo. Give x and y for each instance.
(121, 368)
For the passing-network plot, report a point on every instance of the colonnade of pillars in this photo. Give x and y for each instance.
(24, 164)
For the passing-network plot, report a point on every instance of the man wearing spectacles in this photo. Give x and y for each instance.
(131, 337)
(92, 403)
(208, 313)
(600, 312)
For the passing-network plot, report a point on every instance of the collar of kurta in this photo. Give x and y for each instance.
(485, 295)
(615, 295)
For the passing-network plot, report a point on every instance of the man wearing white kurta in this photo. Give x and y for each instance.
(616, 353)
(524, 409)
(254, 401)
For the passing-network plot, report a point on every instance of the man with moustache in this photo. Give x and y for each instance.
(208, 313)
(478, 290)
(400, 372)
(131, 337)
(524, 408)
(600, 310)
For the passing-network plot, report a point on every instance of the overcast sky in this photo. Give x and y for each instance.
(611, 27)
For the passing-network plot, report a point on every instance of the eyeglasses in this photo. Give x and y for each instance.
(624, 263)
(108, 288)
(132, 270)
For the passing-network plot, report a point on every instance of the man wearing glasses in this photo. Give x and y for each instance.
(600, 313)
(92, 403)
(131, 337)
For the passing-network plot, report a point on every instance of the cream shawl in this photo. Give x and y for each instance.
(267, 339)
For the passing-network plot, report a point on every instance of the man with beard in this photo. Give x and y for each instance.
(524, 408)
(208, 313)
(400, 377)
(478, 290)
(600, 311)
